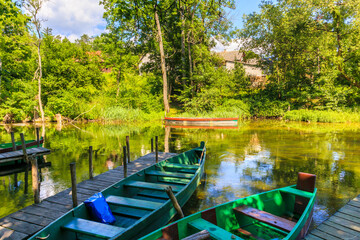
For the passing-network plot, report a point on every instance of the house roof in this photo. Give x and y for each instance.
(235, 56)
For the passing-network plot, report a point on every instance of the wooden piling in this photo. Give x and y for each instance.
(125, 162)
(26, 180)
(38, 137)
(35, 179)
(91, 176)
(156, 149)
(24, 147)
(152, 145)
(128, 148)
(174, 201)
(13, 141)
(73, 183)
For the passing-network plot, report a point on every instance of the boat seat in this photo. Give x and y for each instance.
(152, 193)
(152, 186)
(132, 202)
(265, 217)
(215, 231)
(129, 211)
(92, 228)
(169, 174)
(175, 181)
(191, 171)
(182, 166)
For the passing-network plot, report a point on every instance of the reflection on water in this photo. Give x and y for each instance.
(256, 157)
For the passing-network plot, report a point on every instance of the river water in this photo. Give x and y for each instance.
(256, 157)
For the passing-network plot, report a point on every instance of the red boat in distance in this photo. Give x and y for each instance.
(201, 122)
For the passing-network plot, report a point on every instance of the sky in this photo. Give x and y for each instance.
(72, 19)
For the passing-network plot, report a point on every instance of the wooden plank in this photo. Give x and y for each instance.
(265, 217)
(312, 237)
(354, 203)
(153, 193)
(92, 228)
(42, 212)
(9, 234)
(354, 220)
(350, 211)
(169, 174)
(181, 166)
(30, 218)
(19, 226)
(323, 235)
(134, 203)
(248, 234)
(152, 186)
(336, 232)
(215, 231)
(345, 229)
(345, 223)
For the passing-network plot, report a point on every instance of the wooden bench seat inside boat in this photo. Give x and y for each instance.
(181, 166)
(169, 174)
(92, 228)
(152, 186)
(175, 181)
(129, 211)
(215, 231)
(153, 193)
(132, 202)
(265, 217)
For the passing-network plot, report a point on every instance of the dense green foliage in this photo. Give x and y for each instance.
(309, 50)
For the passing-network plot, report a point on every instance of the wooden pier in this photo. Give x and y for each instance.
(344, 224)
(25, 222)
(19, 155)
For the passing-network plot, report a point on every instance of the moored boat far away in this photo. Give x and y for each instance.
(210, 122)
(139, 202)
(283, 213)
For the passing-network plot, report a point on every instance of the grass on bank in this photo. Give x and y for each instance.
(322, 116)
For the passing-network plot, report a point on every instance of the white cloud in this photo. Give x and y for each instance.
(73, 18)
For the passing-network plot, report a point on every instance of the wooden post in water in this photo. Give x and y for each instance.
(26, 179)
(128, 148)
(156, 149)
(35, 179)
(174, 201)
(91, 176)
(13, 141)
(37, 137)
(73, 183)
(152, 145)
(125, 162)
(24, 148)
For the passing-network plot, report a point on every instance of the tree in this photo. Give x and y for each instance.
(33, 7)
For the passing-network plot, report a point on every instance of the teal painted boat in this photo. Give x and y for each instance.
(283, 213)
(138, 202)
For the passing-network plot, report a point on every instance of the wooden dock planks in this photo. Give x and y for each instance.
(25, 222)
(344, 224)
(18, 155)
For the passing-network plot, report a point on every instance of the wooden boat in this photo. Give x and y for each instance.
(283, 213)
(183, 121)
(8, 147)
(138, 202)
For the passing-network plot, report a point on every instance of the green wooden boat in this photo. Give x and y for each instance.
(283, 213)
(138, 202)
(8, 147)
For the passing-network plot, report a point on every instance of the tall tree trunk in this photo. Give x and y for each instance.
(163, 65)
(39, 83)
(183, 61)
(0, 74)
(190, 66)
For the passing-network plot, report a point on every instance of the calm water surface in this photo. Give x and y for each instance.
(256, 157)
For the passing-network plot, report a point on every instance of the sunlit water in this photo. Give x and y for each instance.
(256, 157)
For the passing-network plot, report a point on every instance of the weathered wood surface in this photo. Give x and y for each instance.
(344, 224)
(27, 221)
(17, 155)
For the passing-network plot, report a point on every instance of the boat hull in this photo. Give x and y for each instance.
(129, 189)
(224, 218)
(202, 122)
